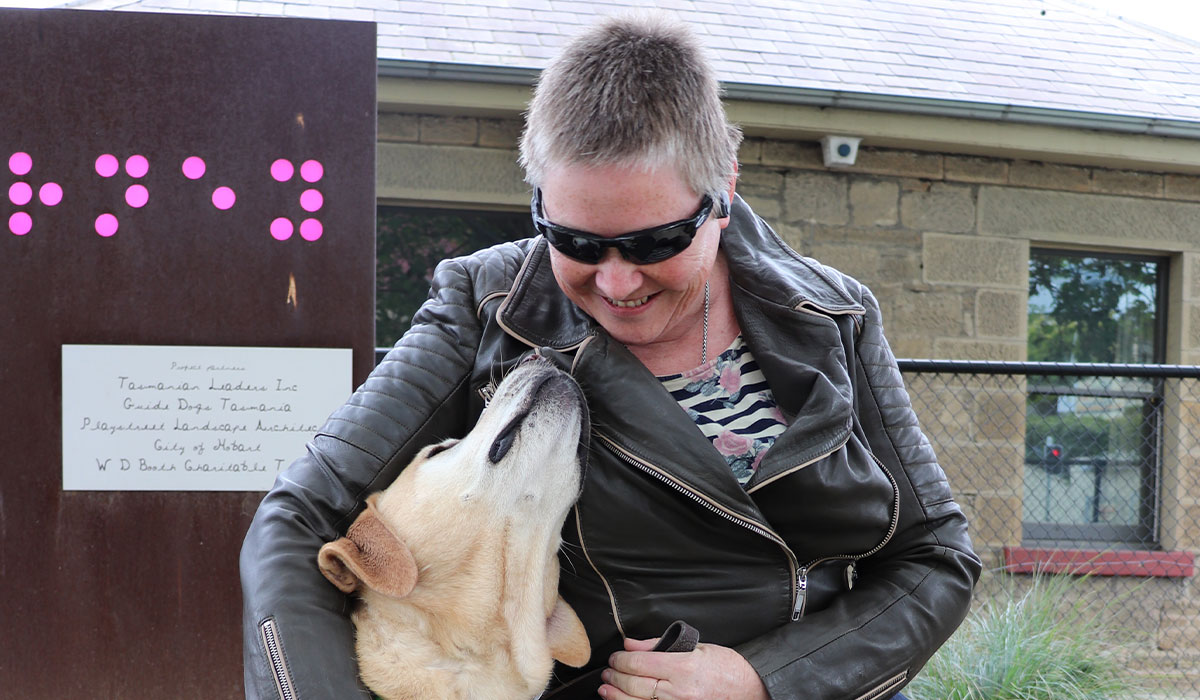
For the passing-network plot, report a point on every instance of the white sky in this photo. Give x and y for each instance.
(1180, 17)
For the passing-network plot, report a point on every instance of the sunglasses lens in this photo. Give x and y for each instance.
(582, 249)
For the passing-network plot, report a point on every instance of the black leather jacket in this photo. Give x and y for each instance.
(836, 572)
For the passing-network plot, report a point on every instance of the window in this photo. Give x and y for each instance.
(411, 241)
(1091, 443)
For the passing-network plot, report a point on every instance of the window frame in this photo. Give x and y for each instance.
(1146, 532)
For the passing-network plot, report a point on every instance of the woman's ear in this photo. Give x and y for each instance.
(723, 206)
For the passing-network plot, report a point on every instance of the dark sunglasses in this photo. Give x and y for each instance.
(644, 247)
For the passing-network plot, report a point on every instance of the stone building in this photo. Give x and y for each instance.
(992, 131)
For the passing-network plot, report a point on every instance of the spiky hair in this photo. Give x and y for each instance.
(638, 90)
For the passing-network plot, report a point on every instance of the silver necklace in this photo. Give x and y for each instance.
(704, 343)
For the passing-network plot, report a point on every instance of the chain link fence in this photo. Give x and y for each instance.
(1081, 468)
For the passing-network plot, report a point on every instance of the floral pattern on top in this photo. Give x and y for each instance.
(730, 402)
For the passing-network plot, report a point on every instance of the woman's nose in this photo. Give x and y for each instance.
(616, 277)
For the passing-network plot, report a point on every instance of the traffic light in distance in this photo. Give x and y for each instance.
(1052, 458)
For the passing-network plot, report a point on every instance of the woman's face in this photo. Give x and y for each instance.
(639, 305)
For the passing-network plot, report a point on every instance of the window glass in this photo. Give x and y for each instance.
(1090, 442)
(1092, 308)
(411, 241)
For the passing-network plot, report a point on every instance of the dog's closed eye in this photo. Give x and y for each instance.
(504, 441)
(438, 448)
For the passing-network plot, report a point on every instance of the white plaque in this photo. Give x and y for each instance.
(192, 418)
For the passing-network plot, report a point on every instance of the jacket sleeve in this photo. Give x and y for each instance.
(298, 639)
(913, 593)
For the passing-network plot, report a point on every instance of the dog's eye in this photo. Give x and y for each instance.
(439, 447)
(504, 441)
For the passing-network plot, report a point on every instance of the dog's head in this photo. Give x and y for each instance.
(470, 529)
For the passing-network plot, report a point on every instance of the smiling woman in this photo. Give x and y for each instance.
(783, 500)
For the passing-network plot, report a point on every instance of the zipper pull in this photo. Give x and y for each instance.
(801, 593)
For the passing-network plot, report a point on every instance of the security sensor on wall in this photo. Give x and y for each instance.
(839, 151)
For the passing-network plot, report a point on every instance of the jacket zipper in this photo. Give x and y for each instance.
(797, 582)
(283, 678)
(802, 574)
(800, 585)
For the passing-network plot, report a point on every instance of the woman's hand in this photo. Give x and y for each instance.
(709, 672)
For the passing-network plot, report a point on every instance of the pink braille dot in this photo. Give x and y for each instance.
(50, 194)
(137, 166)
(20, 193)
(194, 167)
(311, 200)
(281, 229)
(20, 223)
(106, 225)
(136, 196)
(311, 229)
(107, 165)
(223, 198)
(20, 163)
(282, 170)
(311, 171)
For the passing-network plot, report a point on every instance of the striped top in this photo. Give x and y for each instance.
(730, 402)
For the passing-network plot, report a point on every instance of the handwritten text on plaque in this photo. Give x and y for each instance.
(193, 418)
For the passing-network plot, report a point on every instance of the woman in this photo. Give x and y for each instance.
(756, 468)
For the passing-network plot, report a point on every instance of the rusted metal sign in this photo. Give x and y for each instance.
(165, 180)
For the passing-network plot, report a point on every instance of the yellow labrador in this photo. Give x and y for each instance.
(456, 563)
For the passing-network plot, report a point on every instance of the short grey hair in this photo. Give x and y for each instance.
(636, 89)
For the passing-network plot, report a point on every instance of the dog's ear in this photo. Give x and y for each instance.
(567, 638)
(369, 555)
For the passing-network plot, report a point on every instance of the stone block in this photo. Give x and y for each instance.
(944, 208)
(797, 237)
(910, 346)
(1026, 173)
(1179, 626)
(399, 127)
(1192, 337)
(1001, 417)
(878, 161)
(874, 203)
(902, 266)
(975, 260)
(976, 169)
(449, 174)
(750, 152)
(966, 349)
(762, 189)
(943, 408)
(499, 133)
(989, 469)
(860, 262)
(458, 131)
(933, 313)
(996, 521)
(1000, 314)
(793, 154)
(1087, 218)
(816, 197)
(1185, 187)
(1127, 182)
(1189, 268)
(768, 207)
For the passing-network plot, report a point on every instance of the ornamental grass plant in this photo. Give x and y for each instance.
(1053, 640)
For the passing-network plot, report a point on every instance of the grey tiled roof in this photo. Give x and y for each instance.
(1054, 54)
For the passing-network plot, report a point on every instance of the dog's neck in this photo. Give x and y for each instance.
(497, 626)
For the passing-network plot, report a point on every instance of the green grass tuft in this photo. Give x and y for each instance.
(1051, 642)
